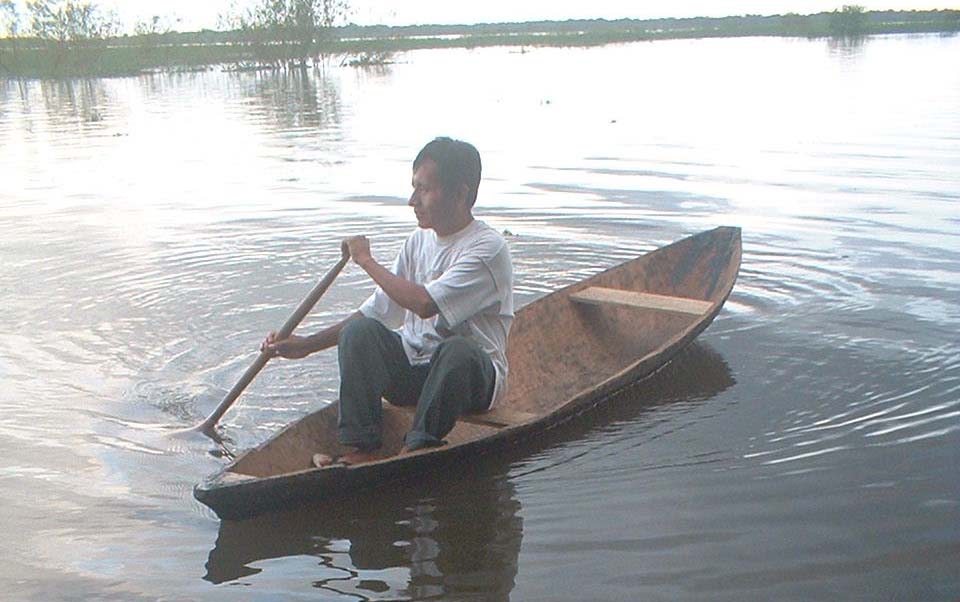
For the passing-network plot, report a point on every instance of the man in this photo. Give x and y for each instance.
(450, 292)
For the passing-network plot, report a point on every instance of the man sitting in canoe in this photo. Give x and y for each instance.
(449, 295)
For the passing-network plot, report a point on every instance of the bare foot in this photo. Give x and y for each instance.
(324, 460)
(356, 457)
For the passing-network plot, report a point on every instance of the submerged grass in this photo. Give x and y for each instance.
(174, 51)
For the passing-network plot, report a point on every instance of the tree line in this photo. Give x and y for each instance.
(286, 31)
(300, 21)
(75, 37)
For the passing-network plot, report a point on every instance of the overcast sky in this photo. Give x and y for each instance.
(198, 14)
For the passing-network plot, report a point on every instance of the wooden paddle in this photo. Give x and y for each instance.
(206, 427)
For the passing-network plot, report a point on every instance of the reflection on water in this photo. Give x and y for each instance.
(847, 47)
(69, 103)
(460, 540)
(294, 100)
(153, 228)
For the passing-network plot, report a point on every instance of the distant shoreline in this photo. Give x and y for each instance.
(371, 45)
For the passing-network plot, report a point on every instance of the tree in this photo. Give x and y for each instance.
(69, 22)
(849, 21)
(300, 26)
(154, 26)
(10, 18)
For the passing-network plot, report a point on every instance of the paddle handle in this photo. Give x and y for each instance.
(286, 330)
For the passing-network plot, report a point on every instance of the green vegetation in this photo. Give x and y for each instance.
(70, 38)
(9, 18)
(851, 20)
(287, 32)
(70, 22)
(73, 37)
(71, 33)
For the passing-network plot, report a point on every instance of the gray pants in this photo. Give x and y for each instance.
(458, 380)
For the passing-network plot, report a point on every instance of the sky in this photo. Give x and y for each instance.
(193, 14)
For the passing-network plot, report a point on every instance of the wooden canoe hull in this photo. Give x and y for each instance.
(565, 357)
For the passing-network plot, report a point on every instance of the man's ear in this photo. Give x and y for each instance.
(462, 193)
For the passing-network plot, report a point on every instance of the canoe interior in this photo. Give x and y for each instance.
(559, 350)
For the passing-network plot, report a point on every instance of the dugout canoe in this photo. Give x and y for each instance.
(568, 351)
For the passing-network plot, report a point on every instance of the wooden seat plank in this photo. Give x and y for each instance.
(596, 295)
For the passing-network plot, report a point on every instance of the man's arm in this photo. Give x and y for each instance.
(408, 295)
(296, 347)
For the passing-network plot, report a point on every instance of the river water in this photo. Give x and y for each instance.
(154, 228)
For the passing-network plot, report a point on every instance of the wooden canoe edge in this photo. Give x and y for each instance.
(731, 232)
(265, 494)
(672, 346)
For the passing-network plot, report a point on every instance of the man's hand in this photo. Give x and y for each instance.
(358, 247)
(293, 347)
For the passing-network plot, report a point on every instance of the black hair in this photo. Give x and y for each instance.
(458, 163)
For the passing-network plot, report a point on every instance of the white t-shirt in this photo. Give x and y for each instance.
(469, 275)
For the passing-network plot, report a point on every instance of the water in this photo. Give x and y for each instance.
(806, 448)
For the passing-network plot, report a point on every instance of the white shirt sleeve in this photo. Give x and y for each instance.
(471, 284)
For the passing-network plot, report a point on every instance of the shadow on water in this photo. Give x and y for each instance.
(695, 375)
(439, 535)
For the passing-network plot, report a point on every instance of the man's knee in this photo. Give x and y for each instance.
(457, 350)
(361, 331)
(458, 347)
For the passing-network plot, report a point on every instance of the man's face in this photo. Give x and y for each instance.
(432, 206)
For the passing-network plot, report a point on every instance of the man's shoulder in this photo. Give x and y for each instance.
(486, 239)
(486, 230)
